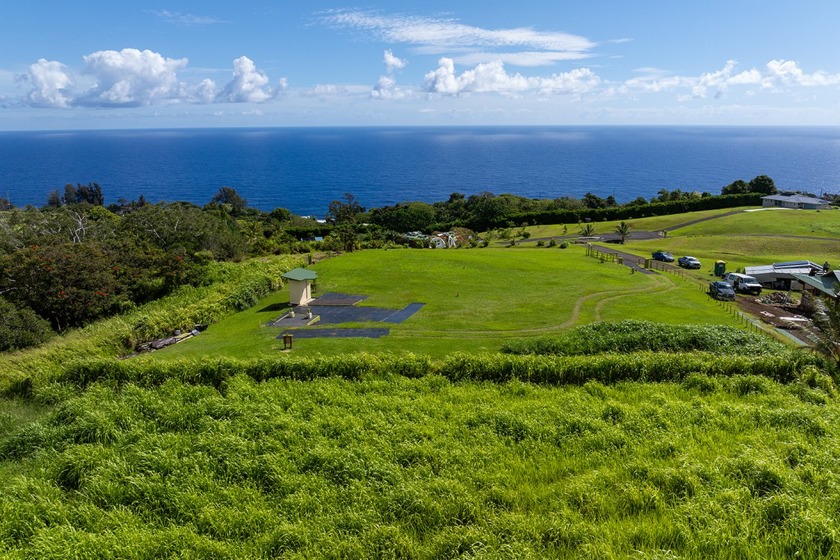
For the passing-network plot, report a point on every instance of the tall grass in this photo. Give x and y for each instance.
(391, 466)
(551, 370)
(635, 336)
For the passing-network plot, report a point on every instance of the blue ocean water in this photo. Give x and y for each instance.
(303, 169)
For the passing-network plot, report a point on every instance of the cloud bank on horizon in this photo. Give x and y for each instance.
(449, 59)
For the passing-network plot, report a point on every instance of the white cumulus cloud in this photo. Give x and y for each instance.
(249, 85)
(386, 88)
(50, 84)
(787, 72)
(131, 77)
(393, 63)
(492, 77)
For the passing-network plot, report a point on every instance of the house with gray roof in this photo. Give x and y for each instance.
(799, 201)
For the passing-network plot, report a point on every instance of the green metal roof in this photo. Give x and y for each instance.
(827, 284)
(301, 274)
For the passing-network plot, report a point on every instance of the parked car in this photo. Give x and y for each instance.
(688, 262)
(663, 256)
(743, 283)
(721, 290)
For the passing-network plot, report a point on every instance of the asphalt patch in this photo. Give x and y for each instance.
(337, 333)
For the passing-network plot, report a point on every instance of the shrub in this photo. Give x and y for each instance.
(21, 327)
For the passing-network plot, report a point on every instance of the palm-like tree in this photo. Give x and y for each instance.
(588, 230)
(623, 231)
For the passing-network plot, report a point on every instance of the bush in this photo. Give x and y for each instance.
(21, 327)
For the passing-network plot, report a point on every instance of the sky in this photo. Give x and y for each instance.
(92, 64)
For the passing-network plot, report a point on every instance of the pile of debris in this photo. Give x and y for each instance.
(777, 298)
(170, 340)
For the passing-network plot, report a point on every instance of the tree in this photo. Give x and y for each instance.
(593, 201)
(90, 193)
(623, 231)
(587, 230)
(67, 284)
(735, 187)
(763, 185)
(183, 225)
(54, 199)
(6, 204)
(414, 216)
(345, 212)
(231, 200)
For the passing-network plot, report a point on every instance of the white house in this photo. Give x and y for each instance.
(799, 201)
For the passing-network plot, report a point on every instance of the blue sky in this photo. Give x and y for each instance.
(95, 64)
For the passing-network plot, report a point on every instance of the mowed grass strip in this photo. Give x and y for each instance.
(652, 223)
(807, 223)
(474, 300)
(427, 468)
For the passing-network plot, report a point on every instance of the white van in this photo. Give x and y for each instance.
(743, 283)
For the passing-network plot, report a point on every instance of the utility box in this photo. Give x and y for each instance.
(300, 285)
(720, 268)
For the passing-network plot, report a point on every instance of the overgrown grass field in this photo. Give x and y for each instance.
(475, 299)
(391, 467)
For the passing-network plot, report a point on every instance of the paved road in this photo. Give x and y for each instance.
(631, 261)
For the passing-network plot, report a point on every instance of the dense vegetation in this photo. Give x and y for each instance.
(234, 287)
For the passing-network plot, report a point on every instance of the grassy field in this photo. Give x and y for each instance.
(653, 223)
(390, 467)
(753, 238)
(192, 452)
(807, 223)
(474, 300)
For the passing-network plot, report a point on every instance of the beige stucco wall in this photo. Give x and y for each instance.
(300, 293)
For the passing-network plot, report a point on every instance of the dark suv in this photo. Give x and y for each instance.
(721, 290)
(663, 256)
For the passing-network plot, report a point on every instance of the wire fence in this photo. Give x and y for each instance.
(747, 322)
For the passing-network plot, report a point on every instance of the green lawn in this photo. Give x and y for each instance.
(752, 239)
(475, 299)
(653, 223)
(808, 223)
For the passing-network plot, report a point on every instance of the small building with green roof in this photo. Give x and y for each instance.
(300, 285)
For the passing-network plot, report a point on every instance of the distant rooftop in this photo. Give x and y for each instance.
(795, 198)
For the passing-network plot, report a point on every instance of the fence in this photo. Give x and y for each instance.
(750, 324)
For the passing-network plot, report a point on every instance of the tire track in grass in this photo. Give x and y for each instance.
(664, 285)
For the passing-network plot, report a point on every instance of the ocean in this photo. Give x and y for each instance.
(303, 169)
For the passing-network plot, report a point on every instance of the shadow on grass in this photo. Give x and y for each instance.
(274, 307)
